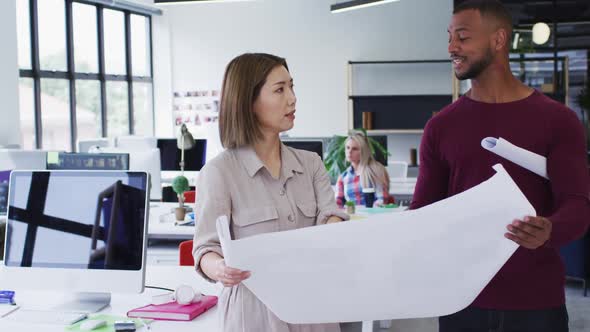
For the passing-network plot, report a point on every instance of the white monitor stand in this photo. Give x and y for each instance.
(84, 302)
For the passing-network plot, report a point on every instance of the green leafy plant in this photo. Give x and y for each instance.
(349, 203)
(180, 185)
(335, 160)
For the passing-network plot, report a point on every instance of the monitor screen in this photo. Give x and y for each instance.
(78, 232)
(170, 155)
(89, 161)
(313, 146)
(76, 220)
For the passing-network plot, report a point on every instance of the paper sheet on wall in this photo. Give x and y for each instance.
(522, 157)
(422, 263)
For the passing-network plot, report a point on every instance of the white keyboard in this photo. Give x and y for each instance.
(46, 317)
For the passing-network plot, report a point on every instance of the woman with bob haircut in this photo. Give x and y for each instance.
(259, 183)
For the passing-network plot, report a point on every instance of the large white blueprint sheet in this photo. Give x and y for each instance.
(422, 263)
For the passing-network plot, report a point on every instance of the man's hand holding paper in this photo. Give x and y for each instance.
(530, 232)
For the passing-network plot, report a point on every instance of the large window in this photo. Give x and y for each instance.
(86, 72)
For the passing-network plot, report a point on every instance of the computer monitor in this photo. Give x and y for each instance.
(316, 146)
(22, 159)
(170, 155)
(88, 161)
(147, 160)
(380, 157)
(76, 231)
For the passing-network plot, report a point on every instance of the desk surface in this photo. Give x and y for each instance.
(161, 223)
(161, 276)
(161, 220)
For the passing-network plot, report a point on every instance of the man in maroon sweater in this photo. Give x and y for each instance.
(527, 294)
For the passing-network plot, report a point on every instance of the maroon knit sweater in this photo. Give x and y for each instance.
(452, 161)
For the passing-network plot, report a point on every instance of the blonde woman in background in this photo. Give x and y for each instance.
(364, 172)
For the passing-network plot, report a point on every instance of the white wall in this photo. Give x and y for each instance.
(9, 114)
(401, 79)
(316, 44)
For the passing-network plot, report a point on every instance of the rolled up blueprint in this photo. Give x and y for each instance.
(428, 262)
(522, 157)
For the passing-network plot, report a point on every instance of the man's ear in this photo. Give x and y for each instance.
(501, 39)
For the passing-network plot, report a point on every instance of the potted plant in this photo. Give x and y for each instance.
(335, 160)
(180, 185)
(350, 207)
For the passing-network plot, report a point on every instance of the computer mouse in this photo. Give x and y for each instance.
(92, 324)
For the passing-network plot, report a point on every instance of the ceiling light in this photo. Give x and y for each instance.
(356, 4)
(541, 33)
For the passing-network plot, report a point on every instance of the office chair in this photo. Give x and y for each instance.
(190, 196)
(185, 253)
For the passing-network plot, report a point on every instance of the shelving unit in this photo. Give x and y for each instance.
(398, 97)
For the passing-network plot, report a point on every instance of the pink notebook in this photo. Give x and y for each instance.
(173, 310)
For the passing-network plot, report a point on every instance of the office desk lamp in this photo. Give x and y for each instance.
(185, 141)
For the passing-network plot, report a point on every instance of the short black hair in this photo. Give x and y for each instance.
(488, 8)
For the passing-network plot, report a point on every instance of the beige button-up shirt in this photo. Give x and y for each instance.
(237, 184)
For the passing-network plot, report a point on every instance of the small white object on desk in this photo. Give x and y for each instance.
(92, 324)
